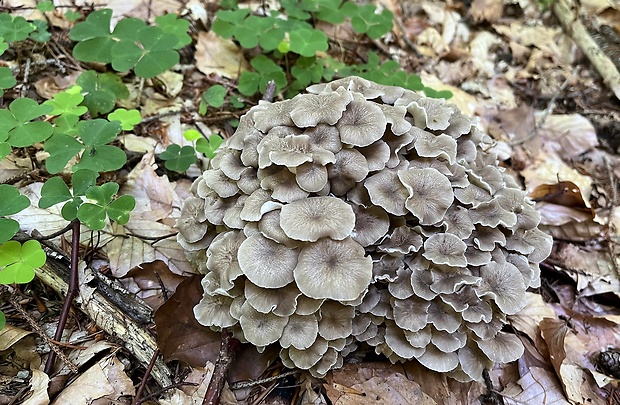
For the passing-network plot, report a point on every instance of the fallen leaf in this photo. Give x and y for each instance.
(220, 56)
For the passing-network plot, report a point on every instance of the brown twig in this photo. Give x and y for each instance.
(71, 292)
(228, 345)
(147, 373)
(33, 324)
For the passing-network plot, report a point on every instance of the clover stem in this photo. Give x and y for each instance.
(71, 292)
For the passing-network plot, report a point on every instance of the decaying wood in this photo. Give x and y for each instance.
(107, 316)
(566, 13)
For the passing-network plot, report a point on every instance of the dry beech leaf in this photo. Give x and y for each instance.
(39, 382)
(219, 56)
(150, 278)
(374, 383)
(569, 135)
(486, 10)
(181, 337)
(564, 193)
(538, 386)
(103, 383)
(528, 319)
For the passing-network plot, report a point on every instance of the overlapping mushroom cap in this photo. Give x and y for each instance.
(363, 214)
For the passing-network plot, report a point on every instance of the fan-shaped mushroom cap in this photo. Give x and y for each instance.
(300, 332)
(362, 123)
(317, 217)
(504, 283)
(336, 320)
(307, 358)
(336, 270)
(266, 263)
(437, 360)
(213, 311)
(371, 224)
(442, 146)
(282, 303)
(430, 194)
(311, 177)
(445, 248)
(503, 348)
(283, 186)
(273, 115)
(261, 329)
(387, 192)
(325, 108)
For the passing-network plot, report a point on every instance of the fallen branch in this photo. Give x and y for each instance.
(108, 317)
(565, 11)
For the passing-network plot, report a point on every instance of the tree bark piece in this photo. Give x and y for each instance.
(566, 13)
(108, 317)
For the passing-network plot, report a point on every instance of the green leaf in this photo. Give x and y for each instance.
(19, 261)
(11, 201)
(119, 209)
(2, 320)
(8, 229)
(172, 24)
(94, 214)
(45, 6)
(3, 45)
(98, 131)
(156, 62)
(97, 24)
(54, 191)
(126, 55)
(214, 96)
(192, 135)
(61, 148)
(178, 159)
(67, 102)
(127, 29)
(104, 158)
(83, 180)
(101, 91)
(14, 29)
(209, 147)
(5, 149)
(308, 42)
(71, 15)
(127, 118)
(41, 34)
(248, 83)
(226, 21)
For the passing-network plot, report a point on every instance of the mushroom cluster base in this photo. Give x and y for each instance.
(363, 214)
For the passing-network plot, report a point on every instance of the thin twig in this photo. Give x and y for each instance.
(64, 230)
(228, 345)
(534, 132)
(51, 343)
(248, 384)
(147, 373)
(72, 291)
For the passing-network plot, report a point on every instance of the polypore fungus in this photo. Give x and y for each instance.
(362, 214)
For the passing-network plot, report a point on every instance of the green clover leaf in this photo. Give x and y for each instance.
(2, 320)
(178, 158)
(11, 202)
(308, 42)
(68, 102)
(14, 29)
(19, 261)
(127, 118)
(209, 147)
(16, 122)
(266, 69)
(101, 91)
(54, 191)
(94, 37)
(94, 214)
(62, 148)
(172, 24)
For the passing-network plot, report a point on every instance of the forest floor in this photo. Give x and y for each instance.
(512, 64)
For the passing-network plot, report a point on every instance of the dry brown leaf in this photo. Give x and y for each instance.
(38, 389)
(220, 56)
(103, 383)
(569, 135)
(549, 168)
(529, 317)
(148, 279)
(486, 10)
(374, 383)
(538, 386)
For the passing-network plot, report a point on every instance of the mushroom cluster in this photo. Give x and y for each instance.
(363, 214)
